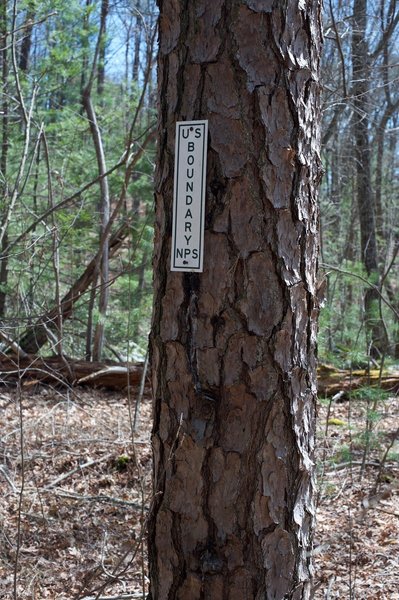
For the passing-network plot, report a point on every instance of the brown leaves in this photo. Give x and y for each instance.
(80, 515)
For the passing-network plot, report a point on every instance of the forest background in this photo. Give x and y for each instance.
(77, 118)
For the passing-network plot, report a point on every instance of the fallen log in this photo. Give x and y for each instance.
(64, 371)
(57, 370)
(332, 381)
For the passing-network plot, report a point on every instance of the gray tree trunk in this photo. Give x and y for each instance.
(5, 144)
(233, 348)
(24, 55)
(102, 49)
(377, 338)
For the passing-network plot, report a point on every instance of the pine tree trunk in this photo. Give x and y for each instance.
(232, 348)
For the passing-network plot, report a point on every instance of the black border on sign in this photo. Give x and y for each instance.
(175, 195)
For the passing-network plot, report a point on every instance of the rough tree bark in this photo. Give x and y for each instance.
(233, 362)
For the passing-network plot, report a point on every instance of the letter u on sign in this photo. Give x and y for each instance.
(189, 196)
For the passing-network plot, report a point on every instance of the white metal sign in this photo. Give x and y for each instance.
(189, 196)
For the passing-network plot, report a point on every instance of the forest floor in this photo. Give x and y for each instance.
(76, 493)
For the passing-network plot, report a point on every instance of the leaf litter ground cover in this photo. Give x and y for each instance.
(357, 533)
(84, 498)
(86, 490)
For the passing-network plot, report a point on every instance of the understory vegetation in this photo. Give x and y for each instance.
(77, 158)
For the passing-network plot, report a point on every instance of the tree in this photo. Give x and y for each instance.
(24, 55)
(104, 204)
(364, 192)
(233, 348)
(358, 199)
(73, 166)
(4, 148)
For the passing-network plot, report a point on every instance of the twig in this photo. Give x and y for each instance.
(103, 550)
(331, 581)
(353, 463)
(10, 482)
(22, 372)
(125, 158)
(141, 390)
(32, 23)
(385, 510)
(99, 498)
(118, 369)
(36, 517)
(366, 281)
(122, 597)
(384, 459)
(27, 116)
(21, 492)
(389, 267)
(108, 441)
(12, 344)
(64, 476)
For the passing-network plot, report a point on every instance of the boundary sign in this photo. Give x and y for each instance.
(189, 196)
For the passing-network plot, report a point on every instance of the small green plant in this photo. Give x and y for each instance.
(393, 456)
(370, 393)
(122, 462)
(329, 489)
(343, 455)
(367, 440)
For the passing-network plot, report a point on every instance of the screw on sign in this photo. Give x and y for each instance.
(189, 196)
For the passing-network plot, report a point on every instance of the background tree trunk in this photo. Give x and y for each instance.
(104, 204)
(102, 49)
(104, 211)
(4, 151)
(137, 43)
(365, 200)
(24, 54)
(233, 348)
